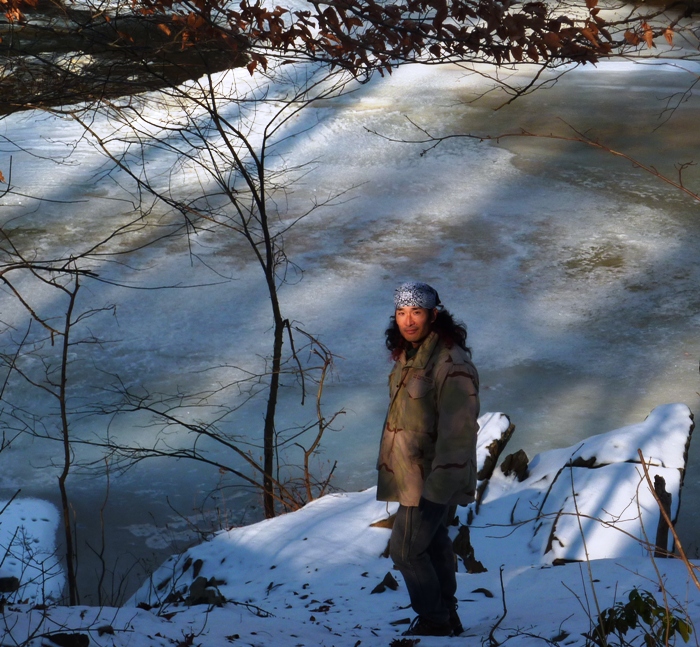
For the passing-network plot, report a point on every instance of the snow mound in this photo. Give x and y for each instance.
(30, 568)
(591, 499)
(588, 500)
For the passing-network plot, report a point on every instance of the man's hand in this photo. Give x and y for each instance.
(430, 509)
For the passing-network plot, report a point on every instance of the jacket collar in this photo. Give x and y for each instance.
(424, 352)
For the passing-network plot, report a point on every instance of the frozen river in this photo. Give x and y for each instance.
(576, 274)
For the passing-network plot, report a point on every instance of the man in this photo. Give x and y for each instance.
(427, 457)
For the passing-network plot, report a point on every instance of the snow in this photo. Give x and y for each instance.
(610, 489)
(308, 577)
(28, 549)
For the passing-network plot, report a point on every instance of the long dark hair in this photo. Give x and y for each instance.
(450, 331)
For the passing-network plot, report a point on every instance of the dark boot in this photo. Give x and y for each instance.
(455, 622)
(424, 627)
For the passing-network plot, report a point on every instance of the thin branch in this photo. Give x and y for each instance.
(676, 538)
(579, 137)
(492, 640)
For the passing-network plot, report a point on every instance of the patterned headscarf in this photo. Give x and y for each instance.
(417, 295)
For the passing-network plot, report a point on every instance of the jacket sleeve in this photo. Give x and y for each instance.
(454, 465)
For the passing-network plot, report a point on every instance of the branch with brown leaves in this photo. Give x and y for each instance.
(361, 36)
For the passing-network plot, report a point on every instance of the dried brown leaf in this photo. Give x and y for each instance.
(590, 35)
(552, 40)
(384, 523)
(14, 15)
(632, 38)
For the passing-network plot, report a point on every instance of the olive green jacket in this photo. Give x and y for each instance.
(428, 445)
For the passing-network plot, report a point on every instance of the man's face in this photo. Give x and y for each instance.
(414, 323)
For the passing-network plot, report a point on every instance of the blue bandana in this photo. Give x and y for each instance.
(416, 295)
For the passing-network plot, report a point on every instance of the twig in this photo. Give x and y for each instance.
(588, 561)
(296, 357)
(676, 538)
(660, 582)
(12, 498)
(492, 640)
(579, 137)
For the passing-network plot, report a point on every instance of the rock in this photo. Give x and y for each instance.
(489, 456)
(389, 582)
(203, 591)
(463, 548)
(665, 500)
(70, 640)
(579, 461)
(599, 480)
(380, 588)
(494, 433)
(517, 464)
(9, 584)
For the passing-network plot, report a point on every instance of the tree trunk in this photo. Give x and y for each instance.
(269, 431)
(662, 529)
(70, 565)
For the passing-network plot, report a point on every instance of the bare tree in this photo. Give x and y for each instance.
(208, 438)
(50, 377)
(220, 145)
(46, 347)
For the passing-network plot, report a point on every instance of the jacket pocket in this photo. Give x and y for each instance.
(419, 386)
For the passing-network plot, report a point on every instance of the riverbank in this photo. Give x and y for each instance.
(318, 577)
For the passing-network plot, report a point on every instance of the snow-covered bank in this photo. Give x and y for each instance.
(590, 499)
(311, 577)
(541, 601)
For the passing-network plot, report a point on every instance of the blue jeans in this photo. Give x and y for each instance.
(421, 548)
